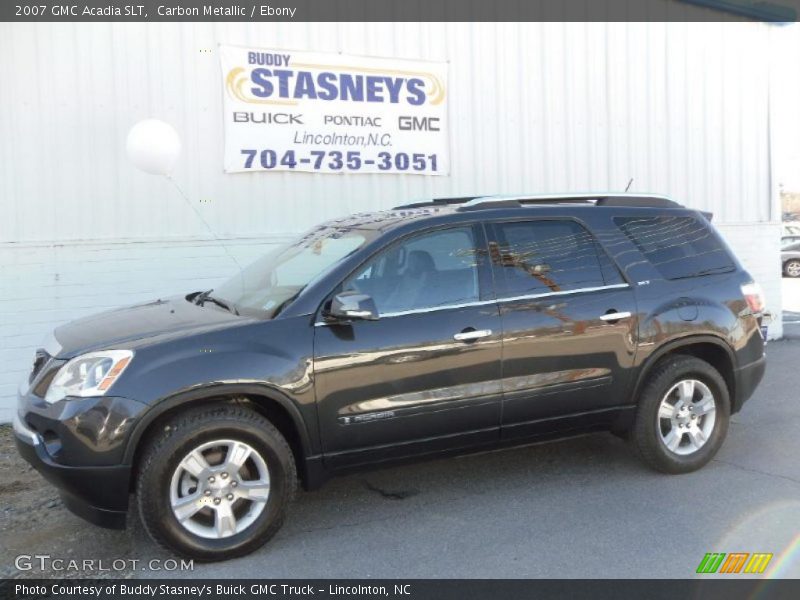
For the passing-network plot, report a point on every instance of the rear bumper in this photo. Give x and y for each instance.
(747, 379)
(96, 494)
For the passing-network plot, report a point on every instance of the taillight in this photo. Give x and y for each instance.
(755, 297)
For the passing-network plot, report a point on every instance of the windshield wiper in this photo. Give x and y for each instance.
(206, 296)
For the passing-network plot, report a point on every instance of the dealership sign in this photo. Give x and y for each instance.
(333, 113)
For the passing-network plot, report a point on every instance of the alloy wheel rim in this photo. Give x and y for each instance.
(219, 488)
(793, 268)
(686, 417)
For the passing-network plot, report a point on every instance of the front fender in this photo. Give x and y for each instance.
(271, 359)
(185, 398)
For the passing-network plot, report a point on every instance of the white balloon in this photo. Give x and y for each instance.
(154, 146)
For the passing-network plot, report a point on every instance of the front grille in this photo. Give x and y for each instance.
(38, 363)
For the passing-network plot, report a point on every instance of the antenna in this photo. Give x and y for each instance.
(627, 187)
(208, 227)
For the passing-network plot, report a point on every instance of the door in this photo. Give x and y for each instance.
(569, 322)
(424, 376)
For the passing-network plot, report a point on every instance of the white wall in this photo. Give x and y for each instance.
(682, 108)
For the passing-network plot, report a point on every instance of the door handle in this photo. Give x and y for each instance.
(615, 316)
(468, 336)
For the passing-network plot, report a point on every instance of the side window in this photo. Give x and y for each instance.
(538, 257)
(677, 247)
(434, 269)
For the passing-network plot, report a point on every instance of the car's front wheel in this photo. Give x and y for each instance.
(683, 415)
(791, 268)
(215, 482)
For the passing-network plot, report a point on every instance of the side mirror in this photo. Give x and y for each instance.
(353, 305)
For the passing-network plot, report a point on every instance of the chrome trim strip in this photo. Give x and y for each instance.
(511, 388)
(461, 392)
(616, 286)
(414, 311)
(24, 432)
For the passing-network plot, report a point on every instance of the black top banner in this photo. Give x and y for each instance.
(399, 10)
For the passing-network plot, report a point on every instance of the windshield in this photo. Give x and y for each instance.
(265, 287)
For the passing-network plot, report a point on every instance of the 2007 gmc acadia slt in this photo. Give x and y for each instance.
(444, 326)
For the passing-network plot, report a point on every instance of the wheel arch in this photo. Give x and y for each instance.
(270, 403)
(712, 349)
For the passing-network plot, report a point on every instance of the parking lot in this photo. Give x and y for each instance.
(583, 507)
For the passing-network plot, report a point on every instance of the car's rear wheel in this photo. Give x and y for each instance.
(791, 268)
(215, 483)
(682, 417)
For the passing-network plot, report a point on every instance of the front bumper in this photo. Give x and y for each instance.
(97, 494)
(78, 445)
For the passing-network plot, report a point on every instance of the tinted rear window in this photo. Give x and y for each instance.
(678, 247)
(550, 256)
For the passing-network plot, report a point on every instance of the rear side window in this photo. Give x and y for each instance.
(678, 247)
(538, 257)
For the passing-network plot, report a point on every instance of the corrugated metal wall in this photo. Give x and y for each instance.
(683, 108)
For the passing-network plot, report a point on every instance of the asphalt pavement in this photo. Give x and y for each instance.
(580, 508)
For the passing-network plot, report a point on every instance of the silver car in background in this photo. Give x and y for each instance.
(790, 259)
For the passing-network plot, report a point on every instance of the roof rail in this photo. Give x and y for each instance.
(437, 202)
(597, 199)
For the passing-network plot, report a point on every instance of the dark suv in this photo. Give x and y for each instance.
(444, 326)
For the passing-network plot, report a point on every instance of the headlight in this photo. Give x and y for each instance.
(89, 374)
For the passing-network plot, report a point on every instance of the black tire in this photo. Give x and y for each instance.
(646, 435)
(794, 268)
(185, 432)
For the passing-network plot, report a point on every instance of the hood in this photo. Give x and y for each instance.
(139, 325)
